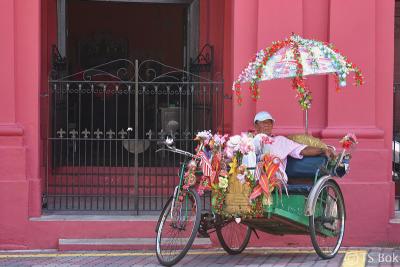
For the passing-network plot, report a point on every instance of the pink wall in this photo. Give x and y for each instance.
(366, 37)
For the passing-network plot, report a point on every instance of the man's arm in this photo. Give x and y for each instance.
(316, 151)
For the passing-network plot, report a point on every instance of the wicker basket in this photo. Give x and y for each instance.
(237, 197)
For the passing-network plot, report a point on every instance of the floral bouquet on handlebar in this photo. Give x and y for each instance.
(209, 157)
(340, 165)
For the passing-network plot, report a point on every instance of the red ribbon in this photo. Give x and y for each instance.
(268, 179)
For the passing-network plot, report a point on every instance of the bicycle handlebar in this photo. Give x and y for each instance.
(175, 150)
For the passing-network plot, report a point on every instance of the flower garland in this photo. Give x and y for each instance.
(254, 71)
(303, 94)
(190, 176)
(219, 192)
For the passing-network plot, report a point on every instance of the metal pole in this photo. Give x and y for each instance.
(306, 120)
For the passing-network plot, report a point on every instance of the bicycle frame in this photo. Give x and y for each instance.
(181, 174)
(177, 189)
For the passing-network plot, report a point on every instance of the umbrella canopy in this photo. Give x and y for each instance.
(295, 58)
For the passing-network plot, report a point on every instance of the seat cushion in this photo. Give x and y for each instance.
(305, 167)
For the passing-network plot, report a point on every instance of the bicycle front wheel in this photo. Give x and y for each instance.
(180, 221)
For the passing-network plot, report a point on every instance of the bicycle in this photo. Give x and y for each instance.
(179, 220)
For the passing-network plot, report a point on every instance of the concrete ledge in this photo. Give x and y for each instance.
(100, 218)
(120, 244)
(122, 241)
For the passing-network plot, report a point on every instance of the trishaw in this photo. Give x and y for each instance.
(314, 207)
(310, 204)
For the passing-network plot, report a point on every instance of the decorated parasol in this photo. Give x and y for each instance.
(296, 57)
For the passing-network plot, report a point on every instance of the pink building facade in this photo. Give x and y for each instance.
(362, 30)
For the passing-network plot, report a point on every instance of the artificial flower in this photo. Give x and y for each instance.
(204, 136)
(349, 140)
(246, 144)
(241, 178)
(223, 182)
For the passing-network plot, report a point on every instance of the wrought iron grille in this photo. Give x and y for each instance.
(105, 124)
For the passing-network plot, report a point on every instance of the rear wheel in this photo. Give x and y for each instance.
(232, 236)
(178, 227)
(327, 224)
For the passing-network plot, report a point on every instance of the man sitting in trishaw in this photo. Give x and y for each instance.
(280, 146)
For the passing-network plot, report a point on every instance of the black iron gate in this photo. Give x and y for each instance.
(105, 124)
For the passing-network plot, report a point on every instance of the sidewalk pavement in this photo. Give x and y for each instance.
(347, 257)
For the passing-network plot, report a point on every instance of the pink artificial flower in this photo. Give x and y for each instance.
(229, 152)
(241, 178)
(219, 140)
(246, 144)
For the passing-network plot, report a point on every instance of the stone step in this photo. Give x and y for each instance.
(119, 244)
(396, 218)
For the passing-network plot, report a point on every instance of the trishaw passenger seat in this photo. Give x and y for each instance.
(303, 168)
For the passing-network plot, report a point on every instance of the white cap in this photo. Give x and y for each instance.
(262, 116)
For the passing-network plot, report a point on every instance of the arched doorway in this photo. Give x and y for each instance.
(117, 88)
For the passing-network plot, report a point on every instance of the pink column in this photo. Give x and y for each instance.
(244, 46)
(354, 34)
(276, 21)
(7, 66)
(316, 26)
(256, 26)
(27, 83)
(13, 184)
(10, 132)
